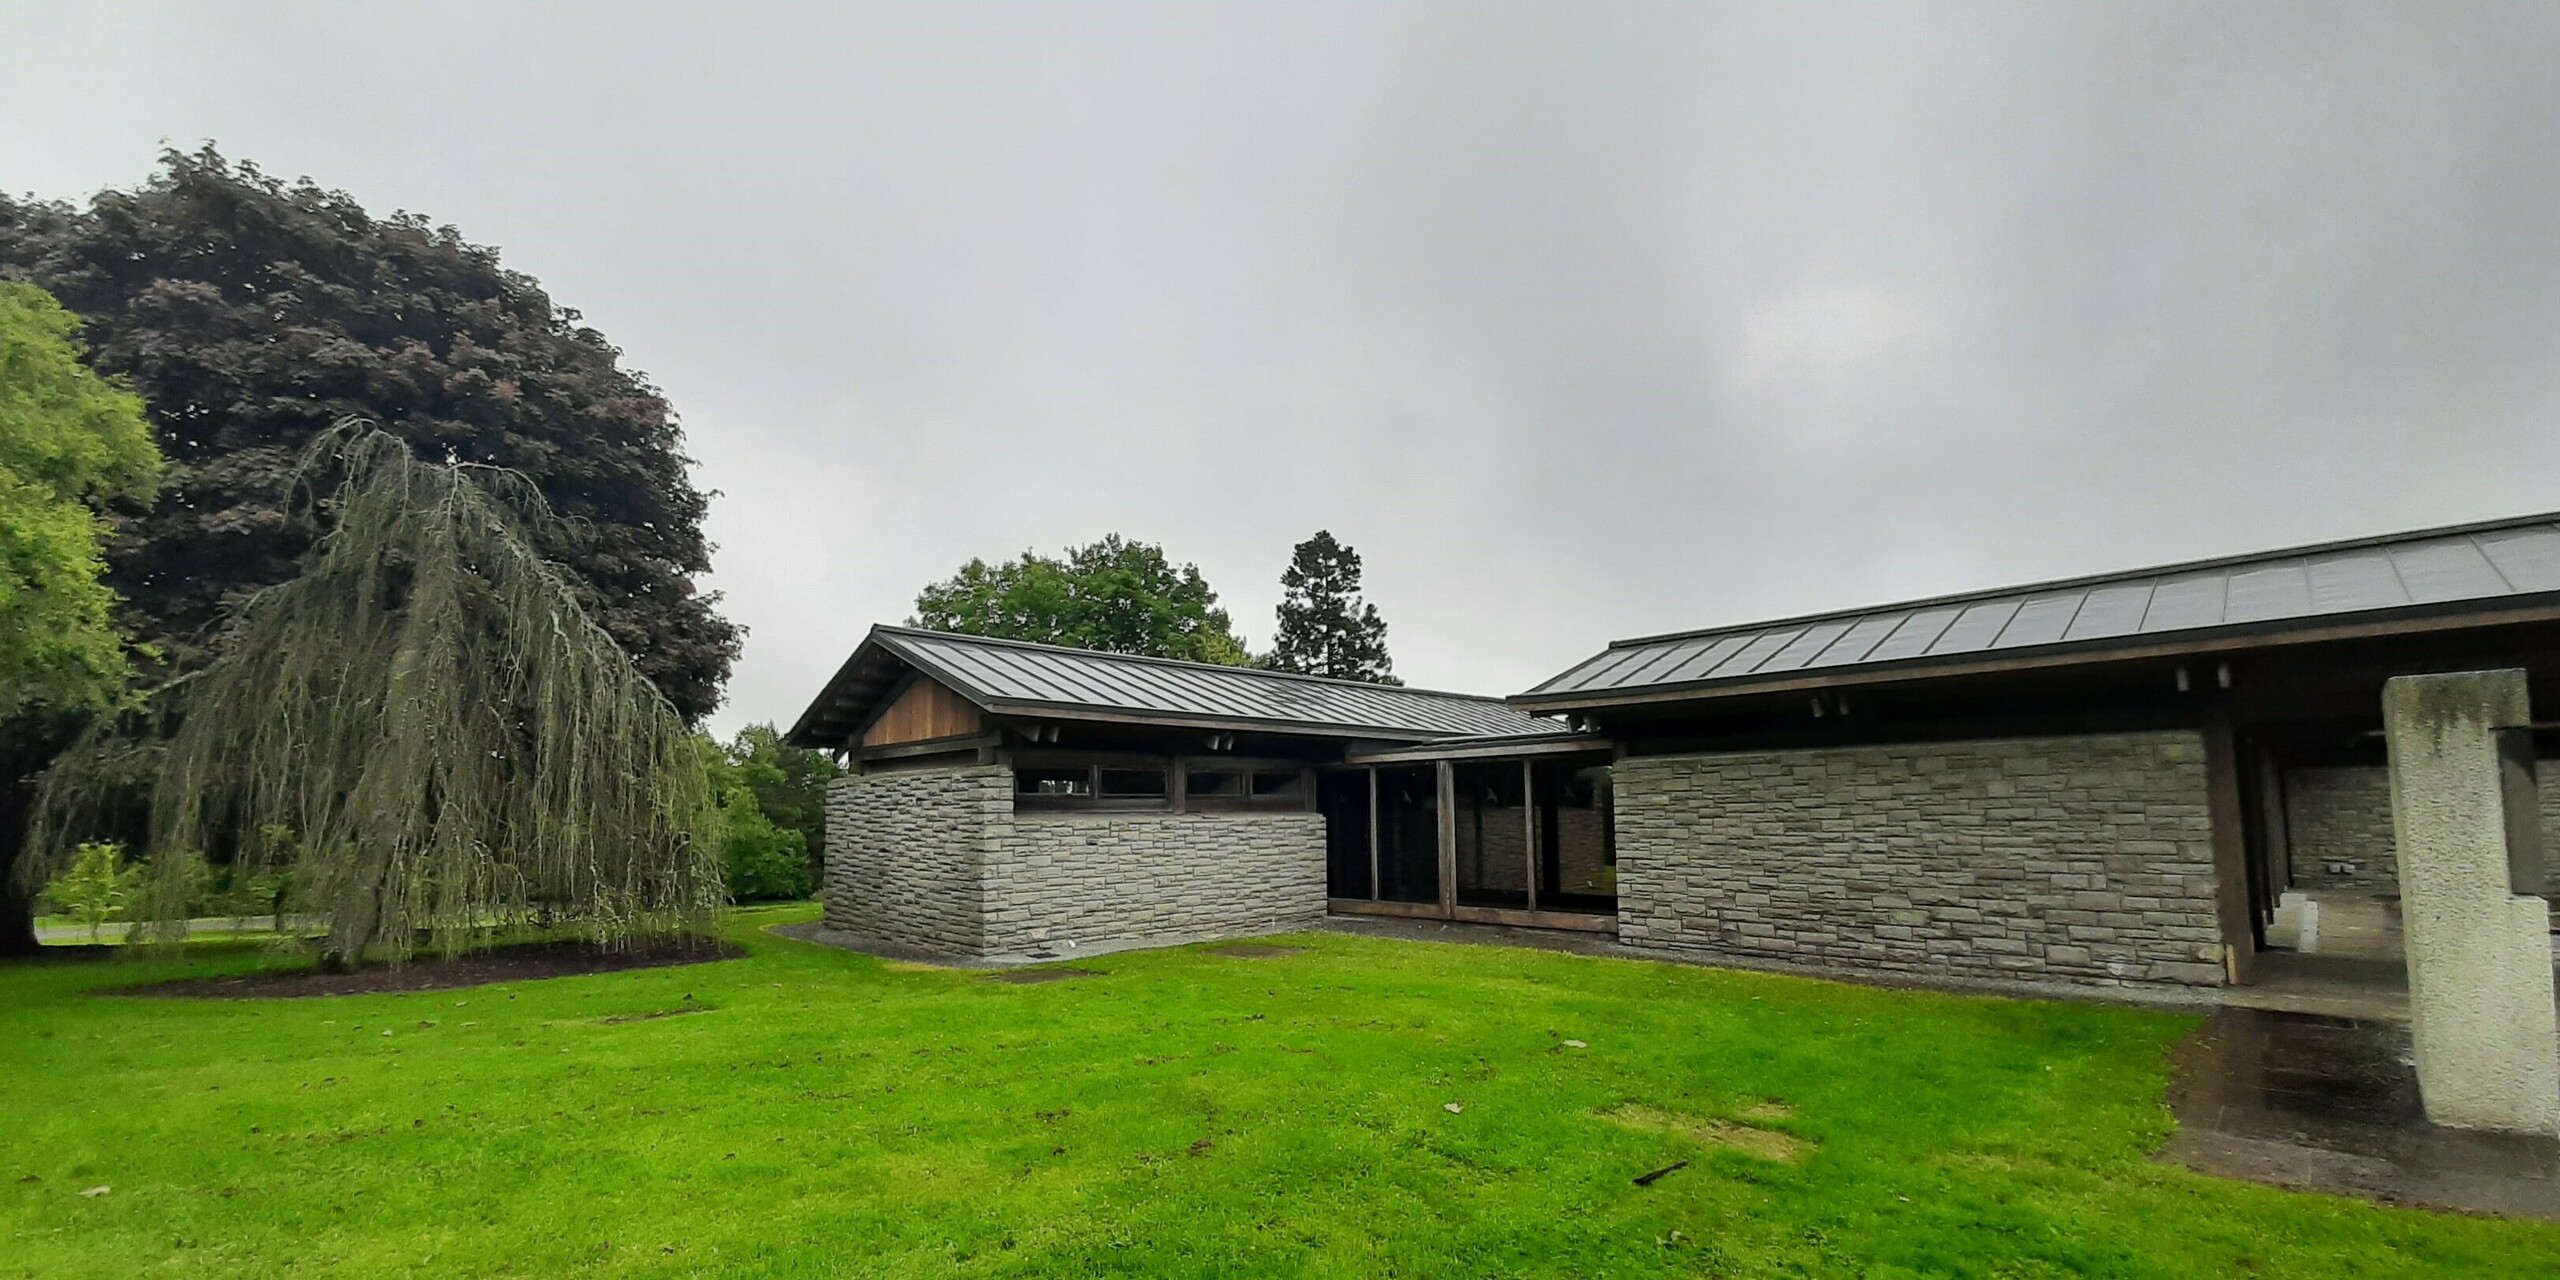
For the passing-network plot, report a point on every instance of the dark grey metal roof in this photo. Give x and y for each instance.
(2495, 567)
(1039, 679)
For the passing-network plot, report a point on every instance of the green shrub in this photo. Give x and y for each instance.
(96, 886)
(763, 862)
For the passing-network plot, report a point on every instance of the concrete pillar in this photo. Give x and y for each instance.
(2479, 950)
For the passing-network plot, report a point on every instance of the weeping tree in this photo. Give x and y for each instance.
(426, 732)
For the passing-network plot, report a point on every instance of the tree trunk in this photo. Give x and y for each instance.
(27, 745)
(17, 905)
(354, 926)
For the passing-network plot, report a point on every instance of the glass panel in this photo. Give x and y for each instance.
(1343, 798)
(1493, 834)
(1134, 784)
(1577, 845)
(1069, 781)
(1409, 835)
(1213, 783)
(1268, 785)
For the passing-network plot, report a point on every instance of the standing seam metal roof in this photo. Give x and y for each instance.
(2506, 563)
(1012, 674)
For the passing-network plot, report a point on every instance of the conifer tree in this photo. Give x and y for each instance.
(1326, 629)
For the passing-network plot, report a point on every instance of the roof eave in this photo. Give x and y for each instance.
(2089, 580)
(893, 642)
(803, 728)
(2530, 609)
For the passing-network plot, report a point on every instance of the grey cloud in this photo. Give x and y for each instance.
(1579, 320)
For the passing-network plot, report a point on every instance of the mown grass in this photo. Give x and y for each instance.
(1190, 1114)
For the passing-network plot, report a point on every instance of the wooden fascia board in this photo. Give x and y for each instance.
(1425, 753)
(930, 746)
(2091, 655)
(1182, 720)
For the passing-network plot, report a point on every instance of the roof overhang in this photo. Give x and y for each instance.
(2219, 642)
(880, 666)
(849, 700)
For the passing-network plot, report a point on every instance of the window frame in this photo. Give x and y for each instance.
(1177, 797)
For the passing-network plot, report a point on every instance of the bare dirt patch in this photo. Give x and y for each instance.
(1768, 1144)
(1033, 977)
(1255, 951)
(624, 1019)
(1761, 1112)
(524, 962)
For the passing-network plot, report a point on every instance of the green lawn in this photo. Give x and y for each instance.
(1189, 1114)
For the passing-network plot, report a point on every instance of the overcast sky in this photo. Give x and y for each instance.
(1579, 321)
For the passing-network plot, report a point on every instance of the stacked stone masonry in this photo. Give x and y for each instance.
(2078, 860)
(1059, 882)
(936, 862)
(2338, 820)
(906, 855)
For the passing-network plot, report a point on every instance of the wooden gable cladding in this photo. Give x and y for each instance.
(926, 710)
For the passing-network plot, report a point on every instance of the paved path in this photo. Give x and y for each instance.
(114, 931)
(2331, 1104)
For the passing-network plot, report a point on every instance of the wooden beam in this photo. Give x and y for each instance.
(1576, 921)
(1462, 750)
(930, 747)
(1402, 910)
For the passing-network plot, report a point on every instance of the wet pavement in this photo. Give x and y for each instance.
(2322, 1103)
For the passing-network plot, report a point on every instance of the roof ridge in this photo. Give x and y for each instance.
(1978, 594)
(1185, 663)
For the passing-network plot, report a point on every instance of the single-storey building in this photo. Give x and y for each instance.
(2101, 782)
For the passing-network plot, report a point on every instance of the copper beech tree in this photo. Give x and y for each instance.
(250, 314)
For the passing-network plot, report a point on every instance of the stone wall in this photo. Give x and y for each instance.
(935, 862)
(905, 856)
(2080, 860)
(2341, 815)
(1582, 852)
(1493, 848)
(1059, 882)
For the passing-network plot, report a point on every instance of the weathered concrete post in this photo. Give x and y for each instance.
(2479, 945)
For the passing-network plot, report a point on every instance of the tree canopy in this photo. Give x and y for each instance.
(446, 742)
(251, 314)
(1325, 628)
(1113, 595)
(71, 444)
(773, 814)
(73, 447)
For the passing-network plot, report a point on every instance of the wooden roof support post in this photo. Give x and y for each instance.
(1376, 889)
(2222, 797)
(1529, 825)
(1448, 836)
(2275, 856)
